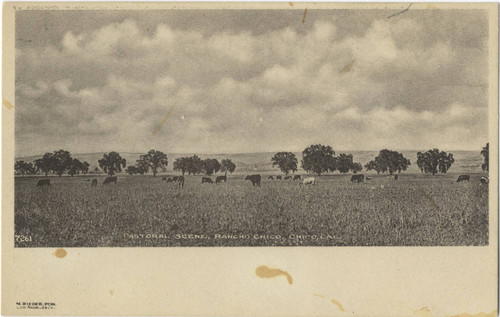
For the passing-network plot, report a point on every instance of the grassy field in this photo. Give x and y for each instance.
(416, 210)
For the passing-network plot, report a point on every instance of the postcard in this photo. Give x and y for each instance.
(250, 159)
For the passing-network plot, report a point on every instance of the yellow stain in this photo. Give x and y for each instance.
(429, 199)
(347, 67)
(7, 104)
(422, 312)
(319, 295)
(266, 272)
(158, 127)
(60, 253)
(339, 305)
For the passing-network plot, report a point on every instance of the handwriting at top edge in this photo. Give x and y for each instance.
(304, 18)
(400, 12)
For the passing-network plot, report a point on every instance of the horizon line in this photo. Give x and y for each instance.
(235, 153)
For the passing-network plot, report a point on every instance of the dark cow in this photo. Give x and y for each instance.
(220, 179)
(462, 178)
(111, 179)
(180, 180)
(206, 180)
(43, 182)
(94, 183)
(368, 178)
(296, 177)
(270, 177)
(396, 177)
(278, 177)
(164, 179)
(169, 180)
(358, 178)
(255, 179)
(287, 177)
(485, 180)
(175, 179)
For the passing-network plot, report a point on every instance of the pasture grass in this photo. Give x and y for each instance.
(416, 210)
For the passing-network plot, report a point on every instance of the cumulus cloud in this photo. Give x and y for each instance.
(239, 91)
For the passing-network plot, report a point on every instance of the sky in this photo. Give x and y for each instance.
(232, 81)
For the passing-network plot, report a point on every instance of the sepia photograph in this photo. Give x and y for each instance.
(250, 159)
(251, 128)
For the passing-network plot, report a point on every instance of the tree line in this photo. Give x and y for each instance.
(316, 159)
(61, 162)
(156, 160)
(320, 159)
(194, 165)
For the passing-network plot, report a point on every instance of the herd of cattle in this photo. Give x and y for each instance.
(256, 178)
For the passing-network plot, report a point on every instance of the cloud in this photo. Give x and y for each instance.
(108, 88)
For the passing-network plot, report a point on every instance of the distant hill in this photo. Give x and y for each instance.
(465, 161)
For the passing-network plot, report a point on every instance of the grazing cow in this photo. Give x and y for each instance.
(287, 177)
(485, 180)
(368, 178)
(358, 178)
(180, 180)
(94, 183)
(169, 180)
(111, 179)
(462, 178)
(43, 182)
(278, 177)
(270, 177)
(163, 179)
(296, 177)
(175, 179)
(396, 177)
(308, 181)
(255, 179)
(206, 180)
(220, 179)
